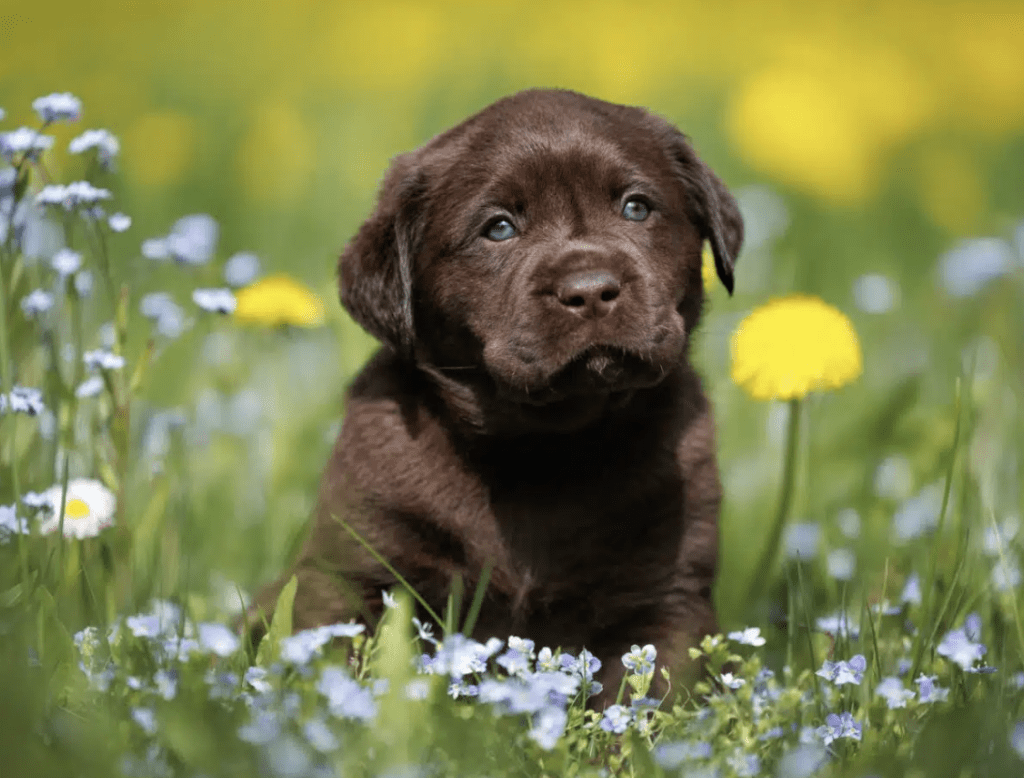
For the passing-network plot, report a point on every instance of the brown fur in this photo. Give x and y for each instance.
(533, 407)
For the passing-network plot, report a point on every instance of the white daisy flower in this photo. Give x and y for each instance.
(89, 508)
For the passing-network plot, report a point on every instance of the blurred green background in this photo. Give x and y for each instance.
(861, 138)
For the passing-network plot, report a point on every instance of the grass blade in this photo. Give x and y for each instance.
(387, 566)
(478, 598)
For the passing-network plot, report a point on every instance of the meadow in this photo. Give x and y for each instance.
(173, 361)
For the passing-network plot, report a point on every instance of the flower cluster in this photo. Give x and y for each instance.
(542, 690)
(105, 144)
(841, 672)
(958, 646)
(73, 196)
(22, 399)
(837, 726)
(303, 699)
(23, 142)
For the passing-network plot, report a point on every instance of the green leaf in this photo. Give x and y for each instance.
(280, 627)
(393, 658)
(56, 648)
(142, 367)
(640, 683)
(405, 725)
(643, 762)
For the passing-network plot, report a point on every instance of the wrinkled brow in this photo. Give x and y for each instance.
(525, 177)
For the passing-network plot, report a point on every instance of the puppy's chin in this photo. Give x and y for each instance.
(571, 413)
(587, 389)
(482, 403)
(599, 370)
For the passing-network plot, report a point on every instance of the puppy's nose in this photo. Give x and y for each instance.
(589, 293)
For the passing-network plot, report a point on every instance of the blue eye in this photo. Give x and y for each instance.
(635, 210)
(501, 230)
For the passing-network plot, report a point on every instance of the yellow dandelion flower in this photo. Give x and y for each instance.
(794, 345)
(279, 299)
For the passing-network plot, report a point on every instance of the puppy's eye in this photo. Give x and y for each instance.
(635, 210)
(501, 230)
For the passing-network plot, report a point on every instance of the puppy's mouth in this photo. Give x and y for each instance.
(599, 371)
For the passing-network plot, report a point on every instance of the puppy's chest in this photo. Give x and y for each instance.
(575, 539)
(547, 525)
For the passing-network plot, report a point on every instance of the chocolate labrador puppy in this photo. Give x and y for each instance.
(534, 276)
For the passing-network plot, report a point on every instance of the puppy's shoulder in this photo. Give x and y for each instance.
(384, 377)
(386, 387)
(387, 413)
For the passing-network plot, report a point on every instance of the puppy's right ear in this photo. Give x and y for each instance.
(716, 210)
(376, 269)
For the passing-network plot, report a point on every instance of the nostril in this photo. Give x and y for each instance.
(589, 290)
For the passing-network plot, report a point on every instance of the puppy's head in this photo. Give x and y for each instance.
(542, 259)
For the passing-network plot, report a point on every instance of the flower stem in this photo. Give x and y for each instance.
(6, 384)
(767, 561)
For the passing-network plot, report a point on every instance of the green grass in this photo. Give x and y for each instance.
(931, 436)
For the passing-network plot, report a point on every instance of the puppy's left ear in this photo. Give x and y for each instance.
(375, 271)
(716, 211)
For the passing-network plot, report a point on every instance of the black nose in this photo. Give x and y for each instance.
(589, 293)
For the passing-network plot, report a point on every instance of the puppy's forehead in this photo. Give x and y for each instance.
(528, 163)
(519, 145)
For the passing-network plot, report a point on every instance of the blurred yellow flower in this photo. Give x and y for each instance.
(707, 268)
(794, 345)
(824, 116)
(279, 299)
(798, 127)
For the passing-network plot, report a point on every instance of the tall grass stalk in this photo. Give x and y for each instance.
(6, 384)
(766, 562)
